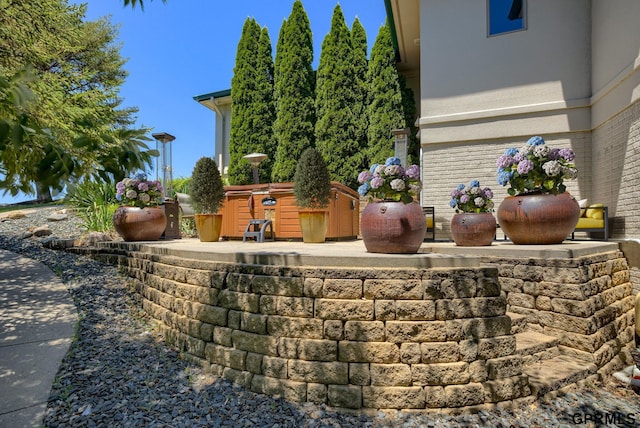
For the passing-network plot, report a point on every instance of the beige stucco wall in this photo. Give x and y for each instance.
(476, 87)
(573, 77)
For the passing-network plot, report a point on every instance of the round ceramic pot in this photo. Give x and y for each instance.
(314, 224)
(140, 224)
(209, 227)
(392, 227)
(473, 229)
(538, 219)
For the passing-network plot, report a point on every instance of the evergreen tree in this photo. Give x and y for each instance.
(243, 89)
(410, 116)
(263, 140)
(361, 90)
(385, 108)
(294, 93)
(336, 123)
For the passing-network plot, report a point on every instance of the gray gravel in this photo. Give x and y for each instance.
(119, 373)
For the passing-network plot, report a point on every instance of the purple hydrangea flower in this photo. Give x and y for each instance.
(364, 176)
(143, 186)
(525, 166)
(413, 172)
(567, 154)
(504, 161)
(488, 192)
(377, 182)
(464, 199)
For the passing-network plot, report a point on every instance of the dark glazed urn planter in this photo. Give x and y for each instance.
(538, 219)
(473, 229)
(140, 224)
(392, 227)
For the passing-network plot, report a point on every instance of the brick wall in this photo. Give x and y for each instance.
(616, 172)
(444, 166)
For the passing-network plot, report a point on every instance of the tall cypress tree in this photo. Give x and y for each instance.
(410, 116)
(385, 108)
(336, 137)
(295, 88)
(243, 89)
(361, 90)
(262, 139)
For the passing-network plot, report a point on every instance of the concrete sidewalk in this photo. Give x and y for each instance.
(37, 325)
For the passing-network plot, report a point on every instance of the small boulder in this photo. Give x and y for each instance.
(92, 238)
(42, 231)
(15, 215)
(57, 216)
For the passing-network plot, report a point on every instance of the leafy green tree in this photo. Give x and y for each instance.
(385, 108)
(336, 137)
(74, 119)
(294, 93)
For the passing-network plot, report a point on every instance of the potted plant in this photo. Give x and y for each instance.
(539, 210)
(207, 192)
(312, 190)
(139, 218)
(473, 224)
(393, 222)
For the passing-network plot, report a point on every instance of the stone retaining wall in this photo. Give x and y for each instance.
(586, 302)
(349, 338)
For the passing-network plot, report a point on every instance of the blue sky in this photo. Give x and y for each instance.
(183, 48)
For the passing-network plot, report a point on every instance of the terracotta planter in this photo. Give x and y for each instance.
(538, 218)
(473, 229)
(209, 226)
(140, 224)
(392, 227)
(314, 224)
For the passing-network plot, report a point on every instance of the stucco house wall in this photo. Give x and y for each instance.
(572, 76)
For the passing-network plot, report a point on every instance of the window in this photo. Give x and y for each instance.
(506, 16)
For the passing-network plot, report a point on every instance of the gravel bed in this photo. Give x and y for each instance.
(119, 373)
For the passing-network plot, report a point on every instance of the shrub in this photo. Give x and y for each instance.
(206, 189)
(312, 184)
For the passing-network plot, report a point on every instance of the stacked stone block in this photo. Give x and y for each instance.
(587, 302)
(349, 338)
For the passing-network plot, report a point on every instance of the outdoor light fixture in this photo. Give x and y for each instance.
(164, 170)
(255, 159)
(401, 144)
(164, 173)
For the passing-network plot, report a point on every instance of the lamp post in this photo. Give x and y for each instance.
(401, 144)
(164, 173)
(255, 159)
(164, 170)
